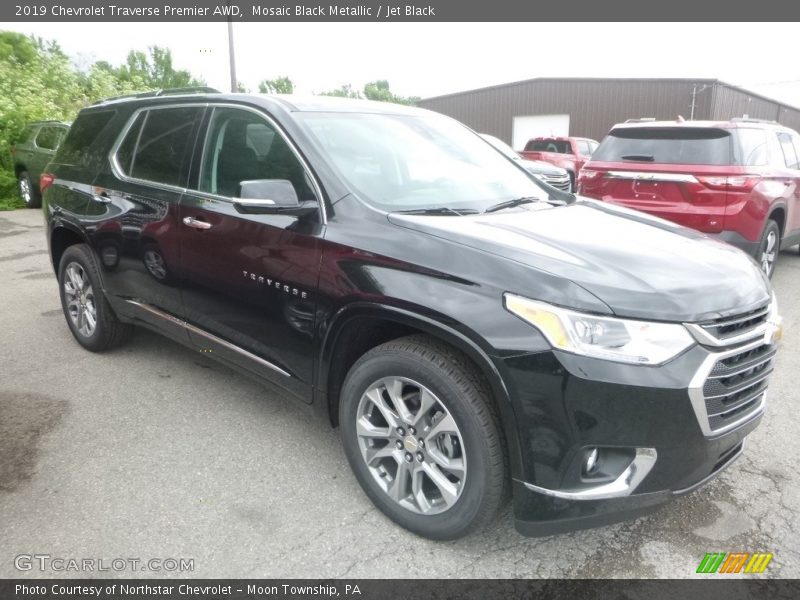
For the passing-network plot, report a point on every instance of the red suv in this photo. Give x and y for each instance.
(737, 179)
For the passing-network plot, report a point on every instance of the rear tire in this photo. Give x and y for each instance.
(769, 248)
(88, 314)
(423, 439)
(27, 191)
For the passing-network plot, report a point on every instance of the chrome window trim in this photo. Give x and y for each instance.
(624, 485)
(209, 336)
(116, 169)
(279, 131)
(698, 399)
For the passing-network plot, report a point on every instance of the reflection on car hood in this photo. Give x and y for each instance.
(640, 266)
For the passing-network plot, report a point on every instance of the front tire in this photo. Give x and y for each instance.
(423, 439)
(769, 248)
(27, 191)
(89, 316)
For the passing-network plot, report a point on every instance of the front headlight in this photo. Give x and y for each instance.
(623, 340)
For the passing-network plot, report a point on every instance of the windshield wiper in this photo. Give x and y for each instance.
(638, 157)
(512, 203)
(439, 210)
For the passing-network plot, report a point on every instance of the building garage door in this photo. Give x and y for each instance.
(531, 126)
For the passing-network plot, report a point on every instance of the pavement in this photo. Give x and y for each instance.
(153, 451)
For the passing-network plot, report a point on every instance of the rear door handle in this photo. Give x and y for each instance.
(196, 223)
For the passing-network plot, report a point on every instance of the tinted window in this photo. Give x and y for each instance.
(49, 137)
(559, 147)
(789, 155)
(156, 146)
(752, 147)
(667, 145)
(76, 149)
(242, 146)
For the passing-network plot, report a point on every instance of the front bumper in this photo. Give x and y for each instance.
(567, 403)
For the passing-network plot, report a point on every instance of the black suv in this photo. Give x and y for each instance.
(472, 331)
(39, 143)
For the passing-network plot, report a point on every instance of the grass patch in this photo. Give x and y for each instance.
(11, 203)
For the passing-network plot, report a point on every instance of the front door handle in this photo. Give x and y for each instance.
(196, 223)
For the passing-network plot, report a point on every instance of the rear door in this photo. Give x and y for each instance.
(132, 216)
(248, 279)
(790, 149)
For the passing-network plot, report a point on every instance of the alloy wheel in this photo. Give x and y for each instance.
(769, 253)
(25, 190)
(411, 445)
(80, 299)
(155, 264)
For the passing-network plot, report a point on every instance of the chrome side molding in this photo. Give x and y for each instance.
(209, 336)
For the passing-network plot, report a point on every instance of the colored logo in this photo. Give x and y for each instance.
(734, 562)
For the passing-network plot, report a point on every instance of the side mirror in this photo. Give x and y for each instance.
(271, 196)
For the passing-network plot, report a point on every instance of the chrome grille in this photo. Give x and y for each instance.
(730, 387)
(736, 385)
(560, 182)
(729, 327)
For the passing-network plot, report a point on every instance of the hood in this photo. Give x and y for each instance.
(539, 167)
(639, 266)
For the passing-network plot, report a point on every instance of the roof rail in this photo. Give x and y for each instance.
(199, 89)
(746, 119)
(640, 120)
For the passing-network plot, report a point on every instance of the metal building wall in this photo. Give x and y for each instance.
(735, 102)
(595, 105)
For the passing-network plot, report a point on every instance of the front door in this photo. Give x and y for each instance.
(248, 280)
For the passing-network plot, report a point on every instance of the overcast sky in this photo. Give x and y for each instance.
(428, 59)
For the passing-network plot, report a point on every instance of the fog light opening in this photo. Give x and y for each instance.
(590, 462)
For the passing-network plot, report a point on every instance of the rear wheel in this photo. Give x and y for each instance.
(27, 192)
(422, 438)
(88, 314)
(769, 248)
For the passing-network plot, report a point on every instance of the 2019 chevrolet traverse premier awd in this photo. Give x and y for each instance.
(472, 331)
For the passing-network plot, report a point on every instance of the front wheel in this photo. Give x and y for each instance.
(422, 437)
(769, 248)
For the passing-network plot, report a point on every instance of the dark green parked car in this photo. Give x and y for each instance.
(40, 142)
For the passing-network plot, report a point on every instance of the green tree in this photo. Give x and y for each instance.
(345, 91)
(38, 81)
(279, 85)
(379, 91)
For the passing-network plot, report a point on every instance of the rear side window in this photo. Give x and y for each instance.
(789, 154)
(667, 145)
(77, 147)
(559, 147)
(49, 137)
(753, 147)
(156, 146)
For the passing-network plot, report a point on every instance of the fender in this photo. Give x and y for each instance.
(480, 356)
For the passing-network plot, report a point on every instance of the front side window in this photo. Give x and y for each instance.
(243, 146)
(157, 145)
(408, 162)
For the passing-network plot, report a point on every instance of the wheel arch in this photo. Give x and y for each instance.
(338, 354)
(62, 237)
(778, 214)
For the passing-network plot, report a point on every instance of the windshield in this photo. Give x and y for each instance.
(501, 146)
(402, 162)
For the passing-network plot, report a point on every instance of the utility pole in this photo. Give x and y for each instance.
(695, 91)
(231, 54)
